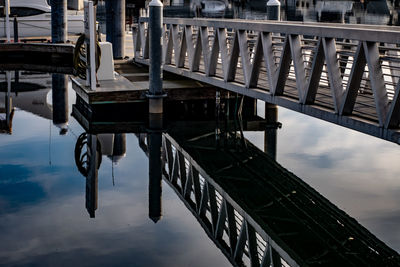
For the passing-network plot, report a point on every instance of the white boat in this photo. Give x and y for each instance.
(34, 19)
(213, 8)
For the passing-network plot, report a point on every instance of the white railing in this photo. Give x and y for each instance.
(346, 74)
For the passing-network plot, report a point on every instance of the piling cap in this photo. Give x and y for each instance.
(155, 3)
(273, 3)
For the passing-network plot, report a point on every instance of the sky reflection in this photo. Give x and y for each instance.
(357, 172)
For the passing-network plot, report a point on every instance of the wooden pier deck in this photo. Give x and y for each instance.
(132, 82)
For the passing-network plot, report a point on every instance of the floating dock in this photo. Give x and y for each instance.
(132, 83)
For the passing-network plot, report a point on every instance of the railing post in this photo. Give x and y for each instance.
(156, 93)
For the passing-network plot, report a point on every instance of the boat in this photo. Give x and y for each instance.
(34, 19)
(209, 8)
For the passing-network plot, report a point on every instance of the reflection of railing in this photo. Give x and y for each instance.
(234, 231)
(263, 216)
(348, 75)
(226, 223)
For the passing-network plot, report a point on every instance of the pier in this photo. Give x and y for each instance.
(346, 74)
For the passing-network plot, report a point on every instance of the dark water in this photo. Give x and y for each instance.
(44, 221)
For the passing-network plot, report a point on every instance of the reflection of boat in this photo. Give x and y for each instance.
(210, 8)
(33, 98)
(34, 19)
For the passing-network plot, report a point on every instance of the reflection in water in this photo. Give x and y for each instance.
(253, 209)
(60, 101)
(155, 167)
(7, 109)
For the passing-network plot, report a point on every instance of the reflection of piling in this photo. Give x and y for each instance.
(155, 168)
(270, 134)
(8, 100)
(119, 147)
(60, 99)
(155, 71)
(59, 21)
(115, 26)
(92, 176)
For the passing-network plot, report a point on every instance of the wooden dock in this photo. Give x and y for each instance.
(132, 83)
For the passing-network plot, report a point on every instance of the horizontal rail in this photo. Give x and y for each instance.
(345, 74)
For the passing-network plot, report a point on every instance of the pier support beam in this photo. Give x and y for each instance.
(156, 94)
(59, 25)
(60, 101)
(270, 133)
(115, 26)
(155, 166)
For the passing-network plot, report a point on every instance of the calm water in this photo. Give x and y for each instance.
(44, 222)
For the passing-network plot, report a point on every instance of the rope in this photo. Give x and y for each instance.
(80, 57)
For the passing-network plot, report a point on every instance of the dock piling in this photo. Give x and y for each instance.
(155, 71)
(271, 132)
(59, 23)
(115, 26)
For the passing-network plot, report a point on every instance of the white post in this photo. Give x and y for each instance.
(7, 9)
(273, 10)
(90, 44)
(156, 93)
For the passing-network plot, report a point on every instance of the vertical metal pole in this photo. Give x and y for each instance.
(60, 101)
(273, 10)
(15, 30)
(270, 134)
(8, 33)
(155, 71)
(59, 30)
(115, 26)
